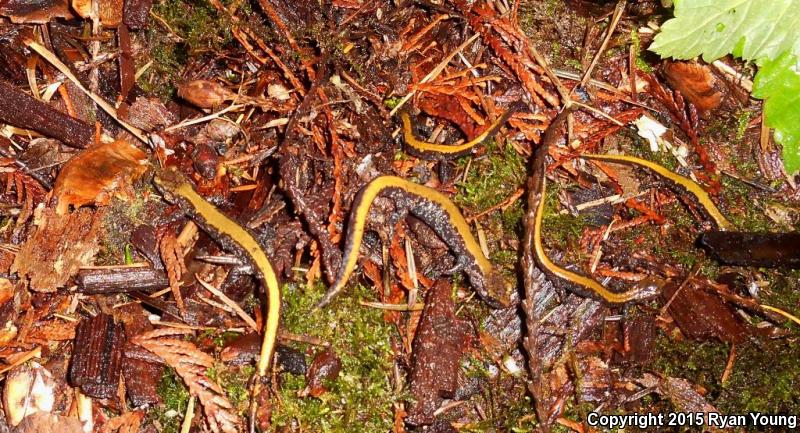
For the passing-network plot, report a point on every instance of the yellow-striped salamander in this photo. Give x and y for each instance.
(432, 151)
(441, 214)
(580, 284)
(681, 183)
(232, 237)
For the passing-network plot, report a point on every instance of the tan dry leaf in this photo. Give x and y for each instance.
(99, 173)
(28, 389)
(48, 422)
(83, 8)
(191, 364)
(696, 82)
(128, 422)
(58, 248)
(110, 11)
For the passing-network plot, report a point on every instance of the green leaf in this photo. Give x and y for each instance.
(778, 83)
(750, 29)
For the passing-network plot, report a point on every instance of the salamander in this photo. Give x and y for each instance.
(581, 284)
(681, 183)
(441, 214)
(426, 150)
(232, 237)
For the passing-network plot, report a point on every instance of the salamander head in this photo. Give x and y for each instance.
(500, 292)
(167, 181)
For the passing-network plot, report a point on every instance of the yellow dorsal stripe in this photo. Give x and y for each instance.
(696, 190)
(361, 211)
(581, 280)
(226, 226)
(425, 146)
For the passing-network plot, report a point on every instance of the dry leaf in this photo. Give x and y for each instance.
(28, 390)
(128, 422)
(48, 422)
(97, 174)
(696, 82)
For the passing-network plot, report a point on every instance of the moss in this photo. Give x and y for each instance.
(641, 63)
(362, 394)
(749, 218)
(119, 220)
(764, 378)
(700, 363)
(561, 231)
(742, 121)
(234, 380)
(175, 397)
(390, 103)
(507, 406)
(782, 292)
(200, 29)
(492, 179)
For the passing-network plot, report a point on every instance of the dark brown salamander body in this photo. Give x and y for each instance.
(436, 210)
(768, 250)
(433, 151)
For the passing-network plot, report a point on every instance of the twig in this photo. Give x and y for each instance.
(50, 57)
(618, 10)
(740, 79)
(212, 116)
(434, 73)
(729, 365)
(188, 416)
(230, 303)
(684, 283)
(393, 307)
(502, 205)
(599, 113)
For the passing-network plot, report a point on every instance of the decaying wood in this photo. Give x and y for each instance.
(58, 248)
(97, 356)
(24, 111)
(120, 280)
(142, 375)
(440, 341)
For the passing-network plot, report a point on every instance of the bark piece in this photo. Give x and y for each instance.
(440, 342)
(122, 280)
(141, 376)
(58, 248)
(703, 316)
(35, 11)
(97, 356)
(19, 109)
(768, 250)
(136, 13)
(148, 114)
